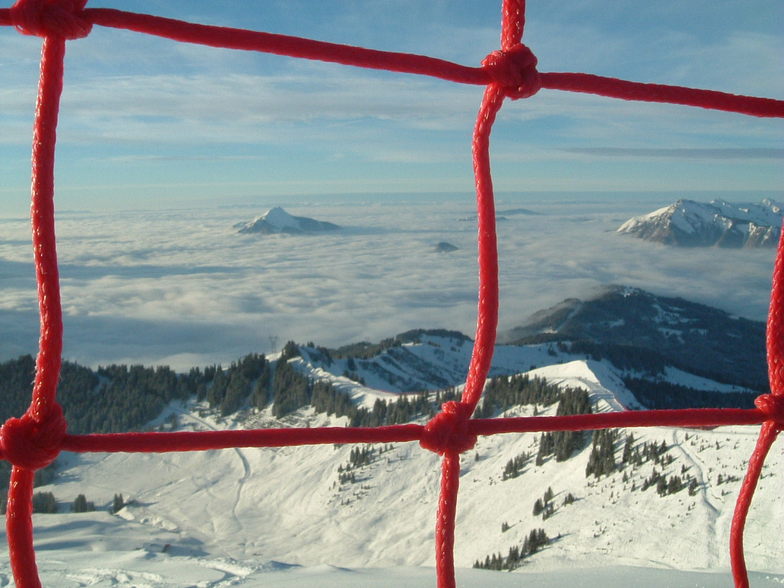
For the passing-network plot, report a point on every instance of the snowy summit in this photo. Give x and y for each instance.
(276, 220)
(687, 223)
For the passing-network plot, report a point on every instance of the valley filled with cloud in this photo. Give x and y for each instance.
(183, 287)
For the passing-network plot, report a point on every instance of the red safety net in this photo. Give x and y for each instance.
(35, 439)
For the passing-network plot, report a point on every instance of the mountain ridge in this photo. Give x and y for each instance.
(687, 223)
(698, 338)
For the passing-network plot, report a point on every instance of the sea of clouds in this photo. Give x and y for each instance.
(183, 288)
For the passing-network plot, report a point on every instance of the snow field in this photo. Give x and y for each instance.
(278, 517)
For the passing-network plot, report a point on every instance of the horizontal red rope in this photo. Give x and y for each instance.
(711, 99)
(242, 39)
(229, 38)
(206, 440)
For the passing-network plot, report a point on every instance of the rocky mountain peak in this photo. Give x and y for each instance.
(688, 223)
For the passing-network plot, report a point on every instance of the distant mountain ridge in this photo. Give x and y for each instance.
(697, 338)
(276, 221)
(687, 223)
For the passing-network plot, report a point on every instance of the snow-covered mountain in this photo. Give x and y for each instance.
(254, 516)
(276, 220)
(658, 514)
(657, 330)
(688, 223)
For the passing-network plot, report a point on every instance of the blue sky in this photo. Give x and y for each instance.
(146, 122)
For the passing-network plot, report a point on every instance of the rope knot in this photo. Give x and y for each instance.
(44, 18)
(515, 70)
(448, 430)
(32, 445)
(773, 407)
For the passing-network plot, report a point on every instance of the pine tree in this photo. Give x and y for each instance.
(237, 389)
(80, 504)
(538, 507)
(217, 389)
(627, 448)
(601, 461)
(565, 443)
(548, 494)
(661, 485)
(290, 350)
(291, 389)
(118, 503)
(675, 485)
(44, 502)
(546, 447)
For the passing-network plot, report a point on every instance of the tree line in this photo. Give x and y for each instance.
(533, 542)
(122, 398)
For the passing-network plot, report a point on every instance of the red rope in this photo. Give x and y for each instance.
(19, 526)
(613, 88)
(231, 38)
(767, 436)
(21, 438)
(772, 406)
(445, 520)
(35, 439)
(204, 440)
(42, 217)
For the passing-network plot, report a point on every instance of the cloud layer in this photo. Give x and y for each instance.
(183, 287)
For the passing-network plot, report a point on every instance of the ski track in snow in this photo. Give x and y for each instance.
(120, 577)
(246, 469)
(713, 510)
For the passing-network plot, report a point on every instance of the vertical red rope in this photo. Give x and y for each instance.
(43, 226)
(775, 332)
(737, 559)
(773, 404)
(487, 311)
(513, 21)
(512, 24)
(445, 521)
(487, 321)
(19, 513)
(19, 526)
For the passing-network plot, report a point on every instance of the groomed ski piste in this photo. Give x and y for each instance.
(288, 517)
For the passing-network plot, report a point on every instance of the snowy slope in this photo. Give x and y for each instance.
(244, 516)
(432, 361)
